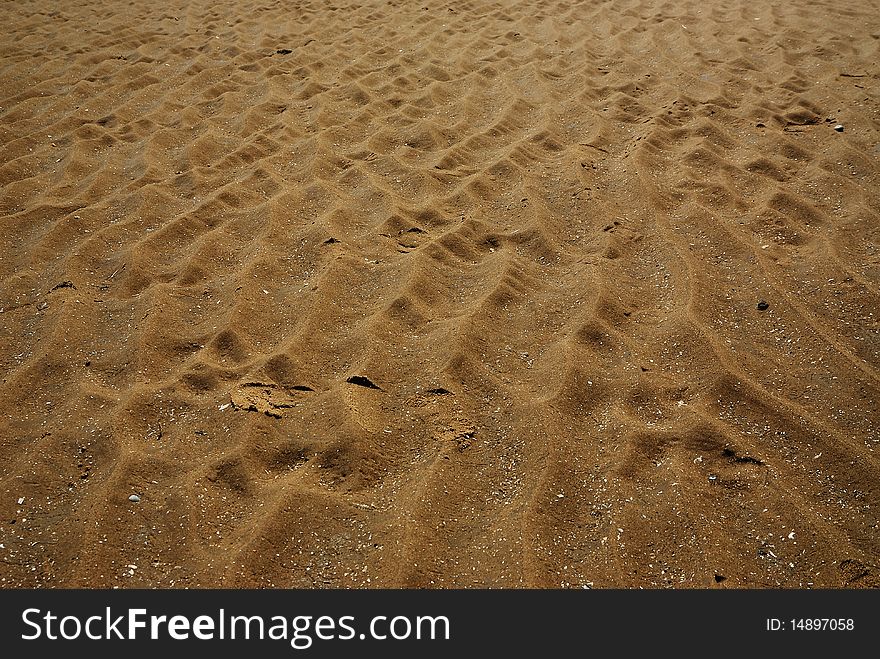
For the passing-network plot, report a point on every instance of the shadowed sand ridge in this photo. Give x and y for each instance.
(440, 294)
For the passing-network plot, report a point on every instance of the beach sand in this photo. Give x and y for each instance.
(439, 294)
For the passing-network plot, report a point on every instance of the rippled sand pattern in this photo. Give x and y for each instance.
(440, 294)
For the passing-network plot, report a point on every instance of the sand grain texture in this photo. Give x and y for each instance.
(439, 294)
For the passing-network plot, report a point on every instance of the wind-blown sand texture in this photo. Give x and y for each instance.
(439, 294)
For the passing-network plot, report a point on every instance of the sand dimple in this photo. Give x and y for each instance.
(439, 294)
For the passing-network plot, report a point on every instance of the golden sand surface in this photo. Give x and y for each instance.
(479, 293)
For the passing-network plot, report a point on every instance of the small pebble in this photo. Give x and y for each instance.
(763, 306)
(839, 128)
(134, 498)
